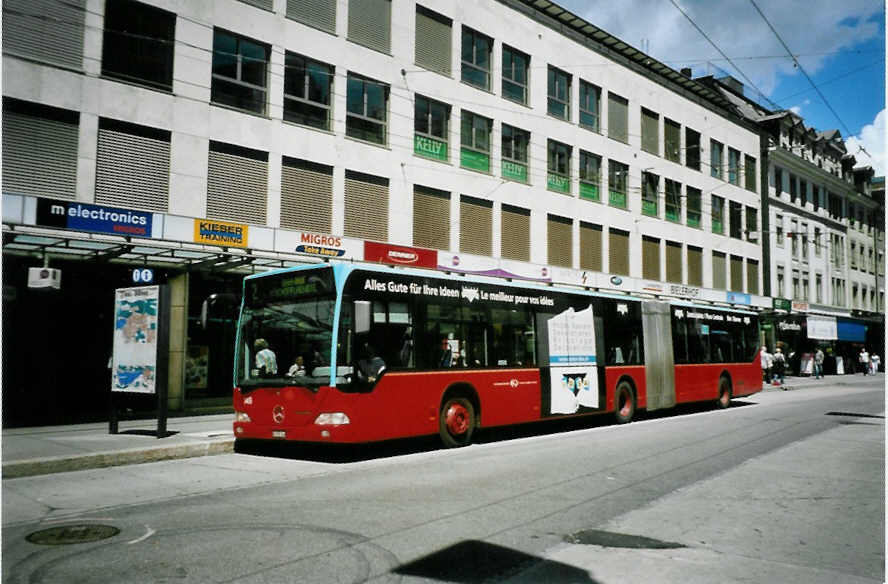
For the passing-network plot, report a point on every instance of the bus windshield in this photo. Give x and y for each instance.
(286, 330)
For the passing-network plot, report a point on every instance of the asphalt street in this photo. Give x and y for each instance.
(781, 487)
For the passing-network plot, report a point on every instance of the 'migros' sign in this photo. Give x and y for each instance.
(95, 218)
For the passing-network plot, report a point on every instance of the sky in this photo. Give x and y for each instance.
(838, 44)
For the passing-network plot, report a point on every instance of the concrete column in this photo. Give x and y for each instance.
(178, 341)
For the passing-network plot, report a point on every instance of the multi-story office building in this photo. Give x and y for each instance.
(212, 138)
(823, 232)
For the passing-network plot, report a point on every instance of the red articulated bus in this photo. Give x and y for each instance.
(348, 353)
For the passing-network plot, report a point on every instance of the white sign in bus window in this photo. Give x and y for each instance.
(572, 361)
(134, 362)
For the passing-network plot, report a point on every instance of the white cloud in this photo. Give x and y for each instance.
(872, 138)
(813, 29)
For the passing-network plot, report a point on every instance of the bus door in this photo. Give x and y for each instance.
(659, 364)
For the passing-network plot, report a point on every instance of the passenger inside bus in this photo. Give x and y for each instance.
(266, 361)
(370, 365)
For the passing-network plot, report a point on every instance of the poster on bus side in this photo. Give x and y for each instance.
(134, 362)
(572, 361)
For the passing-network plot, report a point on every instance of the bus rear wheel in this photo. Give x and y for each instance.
(456, 422)
(724, 393)
(624, 403)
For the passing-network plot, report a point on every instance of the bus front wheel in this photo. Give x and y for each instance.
(456, 422)
(624, 403)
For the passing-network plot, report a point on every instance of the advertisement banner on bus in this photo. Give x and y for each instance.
(572, 360)
(400, 255)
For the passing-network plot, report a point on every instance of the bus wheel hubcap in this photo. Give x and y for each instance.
(626, 404)
(457, 419)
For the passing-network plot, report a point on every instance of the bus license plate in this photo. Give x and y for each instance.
(278, 434)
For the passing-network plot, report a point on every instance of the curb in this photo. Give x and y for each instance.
(56, 464)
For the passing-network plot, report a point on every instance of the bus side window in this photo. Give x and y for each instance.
(698, 343)
(679, 340)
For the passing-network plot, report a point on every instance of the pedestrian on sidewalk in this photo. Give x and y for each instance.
(864, 359)
(818, 364)
(875, 361)
(779, 366)
(766, 364)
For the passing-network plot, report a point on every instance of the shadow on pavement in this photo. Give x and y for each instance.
(347, 453)
(472, 561)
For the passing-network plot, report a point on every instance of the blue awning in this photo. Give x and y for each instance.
(851, 331)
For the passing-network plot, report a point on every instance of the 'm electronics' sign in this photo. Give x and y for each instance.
(400, 255)
(95, 218)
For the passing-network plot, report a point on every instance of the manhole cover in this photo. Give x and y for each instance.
(69, 534)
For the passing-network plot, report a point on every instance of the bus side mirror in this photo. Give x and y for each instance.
(362, 316)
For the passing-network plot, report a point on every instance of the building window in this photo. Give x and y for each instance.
(514, 153)
(672, 140)
(559, 93)
(476, 58)
(618, 252)
(515, 233)
(650, 258)
(237, 184)
(138, 43)
(306, 195)
(735, 217)
(804, 237)
(515, 66)
(590, 105)
(718, 214)
(752, 224)
(673, 201)
(752, 276)
(308, 86)
(803, 192)
(367, 105)
(781, 282)
(363, 192)
(778, 230)
(560, 241)
(692, 149)
(558, 178)
(733, 167)
(817, 243)
(749, 169)
(715, 158)
(650, 131)
(475, 226)
(793, 188)
(794, 234)
(695, 265)
(719, 266)
(806, 291)
(138, 157)
(240, 72)
(818, 288)
(695, 207)
(40, 146)
(617, 117)
(617, 175)
(431, 123)
(590, 176)
(475, 140)
(650, 183)
(370, 24)
(320, 14)
(590, 246)
(433, 41)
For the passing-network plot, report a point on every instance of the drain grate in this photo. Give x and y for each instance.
(71, 534)
(619, 540)
(853, 415)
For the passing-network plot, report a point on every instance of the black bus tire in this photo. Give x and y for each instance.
(624, 402)
(456, 422)
(724, 393)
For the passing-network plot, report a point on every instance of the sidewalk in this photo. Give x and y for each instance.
(51, 449)
(792, 382)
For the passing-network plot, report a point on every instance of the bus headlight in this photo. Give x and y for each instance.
(332, 419)
(241, 417)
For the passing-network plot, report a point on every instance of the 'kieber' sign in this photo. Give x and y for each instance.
(94, 218)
